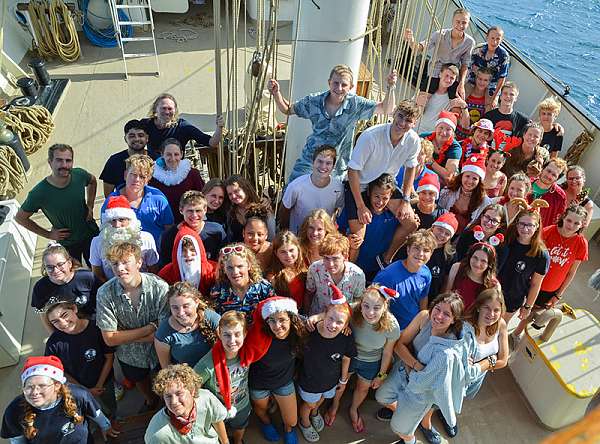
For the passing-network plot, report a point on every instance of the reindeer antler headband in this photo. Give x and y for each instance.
(530, 207)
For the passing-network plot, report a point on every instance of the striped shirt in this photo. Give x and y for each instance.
(114, 312)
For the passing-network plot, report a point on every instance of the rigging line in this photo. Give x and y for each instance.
(412, 61)
(218, 86)
(399, 63)
(350, 40)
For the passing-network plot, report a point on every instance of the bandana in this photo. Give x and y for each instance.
(181, 424)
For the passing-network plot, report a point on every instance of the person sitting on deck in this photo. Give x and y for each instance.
(493, 57)
(447, 151)
(477, 94)
(546, 188)
(129, 308)
(452, 45)
(113, 173)
(164, 123)
(119, 224)
(66, 197)
(333, 114)
(433, 104)
(315, 190)
(505, 117)
(174, 175)
(148, 203)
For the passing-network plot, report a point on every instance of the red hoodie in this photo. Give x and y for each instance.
(172, 271)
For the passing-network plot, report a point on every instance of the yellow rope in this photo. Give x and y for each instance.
(33, 125)
(12, 173)
(54, 30)
(578, 147)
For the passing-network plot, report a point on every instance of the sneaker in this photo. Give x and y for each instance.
(119, 391)
(269, 432)
(381, 261)
(290, 437)
(384, 414)
(451, 431)
(431, 435)
(318, 422)
(309, 433)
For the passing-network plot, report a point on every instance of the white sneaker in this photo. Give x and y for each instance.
(309, 433)
(317, 422)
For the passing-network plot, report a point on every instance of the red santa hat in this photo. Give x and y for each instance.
(448, 118)
(447, 221)
(49, 366)
(337, 297)
(429, 182)
(117, 208)
(475, 163)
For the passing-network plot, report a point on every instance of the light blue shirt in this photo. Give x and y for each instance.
(336, 130)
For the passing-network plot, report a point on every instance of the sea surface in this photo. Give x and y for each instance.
(563, 36)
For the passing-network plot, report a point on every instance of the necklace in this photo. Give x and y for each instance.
(186, 328)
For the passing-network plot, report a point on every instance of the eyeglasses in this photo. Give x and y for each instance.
(41, 388)
(575, 179)
(526, 226)
(51, 268)
(490, 220)
(235, 249)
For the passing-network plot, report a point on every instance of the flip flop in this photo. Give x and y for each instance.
(329, 418)
(358, 425)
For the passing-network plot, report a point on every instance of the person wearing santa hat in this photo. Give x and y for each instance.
(278, 334)
(330, 354)
(447, 151)
(51, 410)
(120, 224)
(464, 195)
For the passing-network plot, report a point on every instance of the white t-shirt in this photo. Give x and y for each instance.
(435, 105)
(149, 254)
(375, 155)
(302, 196)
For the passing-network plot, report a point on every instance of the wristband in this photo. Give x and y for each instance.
(153, 324)
(343, 382)
(382, 375)
(526, 306)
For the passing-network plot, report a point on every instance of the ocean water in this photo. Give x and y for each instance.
(562, 36)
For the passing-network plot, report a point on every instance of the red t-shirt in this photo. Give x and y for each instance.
(563, 252)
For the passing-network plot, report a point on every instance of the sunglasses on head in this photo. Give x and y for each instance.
(235, 249)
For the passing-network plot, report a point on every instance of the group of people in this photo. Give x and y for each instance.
(399, 258)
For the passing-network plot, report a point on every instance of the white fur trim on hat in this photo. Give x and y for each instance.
(277, 305)
(448, 227)
(474, 169)
(44, 370)
(447, 121)
(429, 187)
(118, 213)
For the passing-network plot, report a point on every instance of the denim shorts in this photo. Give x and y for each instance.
(313, 398)
(366, 370)
(285, 390)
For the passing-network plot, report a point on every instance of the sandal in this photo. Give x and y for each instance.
(329, 418)
(309, 433)
(358, 425)
(317, 422)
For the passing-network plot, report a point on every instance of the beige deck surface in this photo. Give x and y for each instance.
(91, 117)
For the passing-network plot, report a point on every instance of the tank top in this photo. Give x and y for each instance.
(422, 337)
(468, 290)
(463, 218)
(488, 349)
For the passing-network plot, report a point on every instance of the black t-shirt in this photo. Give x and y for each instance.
(53, 426)
(511, 124)
(427, 220)
(275, 369)
(516, 272)
(212, 235)
(552, 141)
(466, 239)
(182, 131)
(114, 169)
(219, 217)
(81, 290)
(322, 366)
(82, 355)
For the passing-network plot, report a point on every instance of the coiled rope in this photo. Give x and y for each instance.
(12, 173)
(54, 30)
(32, 124)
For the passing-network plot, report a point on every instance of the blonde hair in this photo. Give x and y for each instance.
(320, 215)
(550, 104)
(428, 149)
(56, 248)
(254, 270)
(385, 322)
(153, 114)
(334, 243)
(122, 250)
(232, 318)
(422, 238)
(141, 163)
(342, 70)
(177, 373)
(192, 197)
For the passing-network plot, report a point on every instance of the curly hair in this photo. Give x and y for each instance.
(153, 114)
(489, 275)
(477, 195)
(69, 407)
(254, 270)
(179, 374)
(187, 290)
(257, 211)
(385, 323)
(298, 332)
(141, 163)
(123, 250)
(56, 248)
(472, 315)
(457, 306)
(320, 215)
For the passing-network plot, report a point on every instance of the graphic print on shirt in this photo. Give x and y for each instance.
(520, 266)
(90, 354)
(336, 357)
(559, 254)
(67, 428)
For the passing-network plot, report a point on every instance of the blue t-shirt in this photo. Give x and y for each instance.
(187, 347)
(183, 131)
(378, 236)
(411, 287)
(400, 177)
(154, 212)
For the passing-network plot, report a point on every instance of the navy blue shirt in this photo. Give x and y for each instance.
(81, 290)
(183, 131)
(213, 237)
(113, 172)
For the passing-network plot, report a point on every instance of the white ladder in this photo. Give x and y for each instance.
(145, 9)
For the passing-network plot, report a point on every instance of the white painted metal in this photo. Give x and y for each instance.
(286, 11)
(328, 34)
(144, 7)
(171, 6)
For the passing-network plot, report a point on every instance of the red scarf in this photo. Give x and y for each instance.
(442, 153)
(181, 424)
(469, 148)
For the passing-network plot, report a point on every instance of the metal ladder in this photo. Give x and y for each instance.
(146, 10)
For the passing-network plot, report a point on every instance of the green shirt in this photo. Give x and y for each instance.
(237, 374)
(208, 411)
(370, 343)
(64, 207)
(114, 312)
(538, 191)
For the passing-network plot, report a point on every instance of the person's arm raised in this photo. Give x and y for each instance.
(387, 105)
(282, 104)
